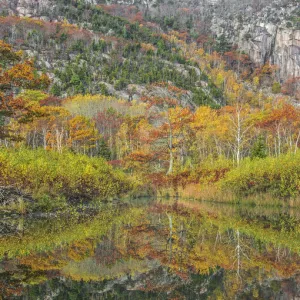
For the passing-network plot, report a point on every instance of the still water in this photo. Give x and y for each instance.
(152, 249)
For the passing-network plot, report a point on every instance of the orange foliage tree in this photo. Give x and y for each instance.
(15, 75)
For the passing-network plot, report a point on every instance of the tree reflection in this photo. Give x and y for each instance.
(158, 251)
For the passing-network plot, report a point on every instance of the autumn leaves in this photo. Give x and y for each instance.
(163, 140)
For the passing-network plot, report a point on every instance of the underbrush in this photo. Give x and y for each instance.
(272, 177)
(55, 179)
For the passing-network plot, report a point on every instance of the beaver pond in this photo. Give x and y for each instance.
(152, 249)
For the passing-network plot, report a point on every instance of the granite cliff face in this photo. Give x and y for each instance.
(274, 44)
(286, 53)
(267, 35)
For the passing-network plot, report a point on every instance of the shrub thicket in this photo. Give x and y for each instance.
(70, 176)
(278, 176)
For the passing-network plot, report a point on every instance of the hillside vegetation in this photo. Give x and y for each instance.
(96, 106)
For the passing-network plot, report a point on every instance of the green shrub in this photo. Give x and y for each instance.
(276, 88)
(277, 176)
(48, 175)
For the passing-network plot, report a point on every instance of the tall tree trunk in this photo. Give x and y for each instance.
(171, 156)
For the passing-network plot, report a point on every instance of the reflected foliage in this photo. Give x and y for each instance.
(154, 250)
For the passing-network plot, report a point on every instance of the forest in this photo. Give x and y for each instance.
(149, 150)
(92, 115)
(248, 147)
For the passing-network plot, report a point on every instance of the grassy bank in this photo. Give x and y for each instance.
(213, 193)
(55, 179)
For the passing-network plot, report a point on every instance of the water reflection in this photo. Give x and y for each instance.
(153, 250)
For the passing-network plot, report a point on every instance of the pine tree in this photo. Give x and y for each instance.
(259, 149)
(222, 44)
(104, 151)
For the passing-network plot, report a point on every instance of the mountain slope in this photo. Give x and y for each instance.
(87, 50)
(268, 31)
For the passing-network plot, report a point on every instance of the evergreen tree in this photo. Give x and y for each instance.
(259, 149)
(104, 151)
(222, 44)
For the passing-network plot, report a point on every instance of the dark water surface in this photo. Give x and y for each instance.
(153, 250)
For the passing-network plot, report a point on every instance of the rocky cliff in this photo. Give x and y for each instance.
(267, 35)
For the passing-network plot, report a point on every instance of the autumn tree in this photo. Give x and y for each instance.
(82, 134)
(211, 129)
(292, 87)
(282, 123)
(16, 74)
(172, 119)
(240, 125)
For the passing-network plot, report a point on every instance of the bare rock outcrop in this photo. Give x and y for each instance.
(266, 36)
